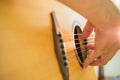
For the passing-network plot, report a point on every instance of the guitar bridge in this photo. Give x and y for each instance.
(60, 48)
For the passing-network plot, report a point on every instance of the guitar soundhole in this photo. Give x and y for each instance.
(80, 48)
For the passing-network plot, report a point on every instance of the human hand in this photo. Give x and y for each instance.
(107, 43)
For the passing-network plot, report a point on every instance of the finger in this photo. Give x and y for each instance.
(87, 30)
(97, 62)
(89, 59)
(90, 46)
(105, 57)
(102, 60)
(90, 52)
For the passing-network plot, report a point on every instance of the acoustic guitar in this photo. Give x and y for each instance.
(41, 40)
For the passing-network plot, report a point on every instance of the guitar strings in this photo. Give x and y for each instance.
(78, 34)
(77, 43)
(73, 52)
(83, 40)
(75, 60)
(72, 38)
(76, 49)
(72, 58)
(87, 40)
(71, 55)
(81, 44)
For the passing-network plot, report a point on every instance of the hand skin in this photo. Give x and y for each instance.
(104, 18)
(107, 43)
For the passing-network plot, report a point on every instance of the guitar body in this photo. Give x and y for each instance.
(27, 45)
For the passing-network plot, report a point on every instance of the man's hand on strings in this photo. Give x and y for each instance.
(105, 46)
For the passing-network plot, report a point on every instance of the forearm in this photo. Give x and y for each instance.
(98, 12)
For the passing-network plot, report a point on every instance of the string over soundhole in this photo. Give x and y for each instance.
(80, 45)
